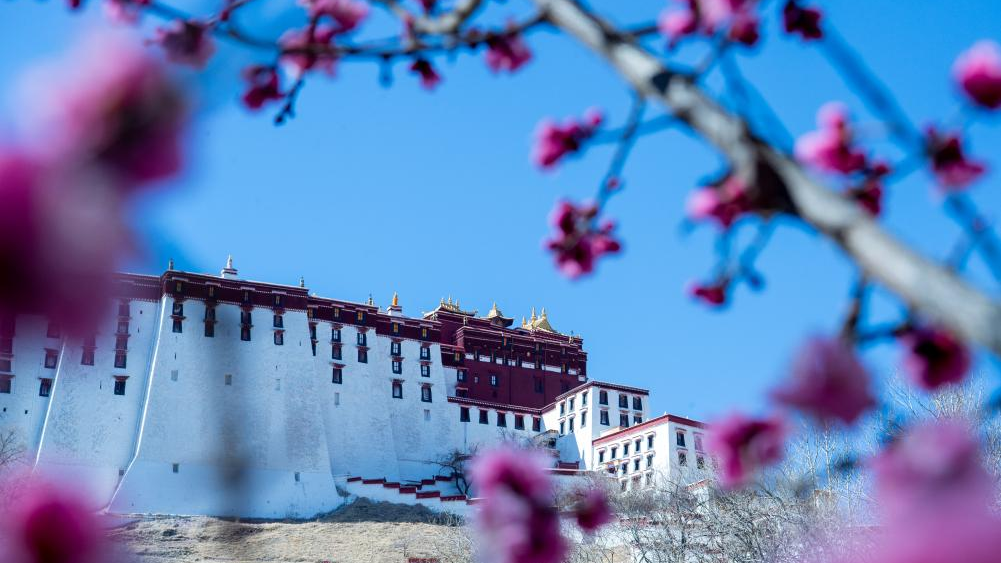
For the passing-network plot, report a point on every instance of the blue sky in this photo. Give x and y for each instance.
(372, 190)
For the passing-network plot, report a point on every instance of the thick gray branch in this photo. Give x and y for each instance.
(931, 289)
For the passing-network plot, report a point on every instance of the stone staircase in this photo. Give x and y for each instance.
(437, 494)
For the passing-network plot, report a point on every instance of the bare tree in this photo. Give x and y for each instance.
(11, 448)
(453, 464)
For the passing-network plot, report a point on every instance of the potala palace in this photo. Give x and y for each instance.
(217, 395)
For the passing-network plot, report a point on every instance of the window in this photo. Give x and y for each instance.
(119, 386)
(463, 414)
(625, 468)
(210, 330)
(44, 387)
(178, 308)
(279, 322)
(362, 339)
(425, 370)
(312, 327)
(649, 461)
(649, 442)
(583, 399)
(6, 345)
(502, 419)
(623, 401)
(123, 327)
(5, 384)
(337, 376)
(397, 366)
(87, 357)
(245, 318)
(245, 333)
(279, 338)
(636, 464)
(395, 349)
(622, 485)
(583, 419)
(176, 467)
(123, 309)
(494, 380)
(519, 422)
(615, 452)
(625, 450)
(682, 459)
(638, 444)
(484, 417)
(536, 424)
(698, 442)
(5, 364)
(538, 385)
(637, 419)
(460, 376)
(602, 397)
(177, 327)
(624, 420)
(335, 352)
(700, 462)
(637, 403)
(460, 392)
(120, 360)
(227, 379)
(335, 335)
(396, 328)
(337, 399)
(427, 415)
(603, 418)
(601, 456)
(362, 356)
(424, 333)
(173, 375)
(425, 353)
(51, 358)
(681, 439)
(570, 403)
(426, 393)
(563, 409)
(397, 390)
(563, 427)
(570, 425)
(210, 313)
(52, 331)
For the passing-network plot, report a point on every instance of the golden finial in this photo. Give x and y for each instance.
(370, 300)
(457, 304)
(523, 323)
(449, 300)
(396, 299)
(533, 318)
(441, 302)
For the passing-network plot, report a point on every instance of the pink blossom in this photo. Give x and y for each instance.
(934, 357)
(262, 86)
(678, 24)
(577, 244)
(429, 77)
(744, 28)
(713, 294)
(830, 148)
(978, 72)
(724, 203)
(828, 382)
(47, 525)
(554, 141)
(743, 446)
(707, 17)
(517, 519)
(302, 49)
(804, 21)
(592, 510)
(111, 103)
(347, 13)
(124, 11)
(507, 51)
(935, 467)
(952, 169)
(186, 42)
(939, 538)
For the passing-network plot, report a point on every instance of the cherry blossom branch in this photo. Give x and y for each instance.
(444, 24)
(931, 289)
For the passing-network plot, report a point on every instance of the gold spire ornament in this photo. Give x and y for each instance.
(396, 299)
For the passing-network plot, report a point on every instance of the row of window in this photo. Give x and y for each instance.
(637, 445)
(568, 405)
(567, 426)
(484, 418)
(397, 388)
(45, 386)
(624, 467)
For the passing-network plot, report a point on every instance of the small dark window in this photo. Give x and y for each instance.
(123, 327)
(44, 387)
(120, 360)
(615, 452)
(279, 321)
(123, 309)
(624, 420)
(246, 318)
(563, 408)
(210, 313)
(362, 339)
(335, 335)
(636, 464)
(680, 439)
(484, 417)
(536, 424)
(5, 364)
(119, 387)
(338, 376)
(519, 422)
(570, 425)
(603, 418)
(563, 428)
(397, 390)
(335, 352)
(649, 461)
(245, 333)
(637, 403)
(637, 419)
(682, 459)
(461, 393)
(494, 381)
(397, 366)
(121, 343)
(87, 357)
(502, 419)
(649, 442)
(583, 399)
(624, 401)
(463, 414)
(362, 356)
(177, 325)
(601, 456)
(602, 397)
(279, 338)
(52, 331)
(698, 442)
(426, 394)
(425, 370)
(312, 329)
(583, 419)
(425, 353)
(460, 376)
(51, 358)
(176, 468)
(210, 330)
(395, 349)
(700, 462)
(178, 308)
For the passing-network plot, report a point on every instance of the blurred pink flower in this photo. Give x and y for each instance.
(940, 538)
(262, 86)
(124, 11)
(507, 51)
(723, 203)
(934, 469)
(554, 141)
(577, 244)
(347, 13)
(593, 510)
(744, 28)
(706, 17)
(831, 147)
(978, 72)
(429, 77)
(952, 169)
(934, 357)
(827, 382)
(46, 525)
(742, 446)
(517, 520)
(186, 42)
(804, 21)
(110, 104)
(711, 294)
(302, 50)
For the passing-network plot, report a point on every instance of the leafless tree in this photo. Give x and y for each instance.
(11, 448)
(453, 464)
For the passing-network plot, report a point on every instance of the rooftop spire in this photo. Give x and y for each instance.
(229, 271)
(302, 281)
(170, 264)
(396, 299)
